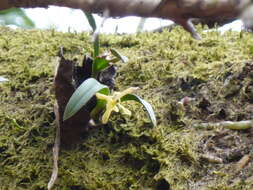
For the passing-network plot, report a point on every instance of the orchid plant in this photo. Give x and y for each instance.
(106, 99)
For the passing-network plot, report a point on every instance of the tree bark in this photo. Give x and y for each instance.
(180, 11)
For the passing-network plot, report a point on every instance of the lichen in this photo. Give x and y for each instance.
(128, 153)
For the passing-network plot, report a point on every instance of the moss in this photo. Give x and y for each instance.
(128, 153)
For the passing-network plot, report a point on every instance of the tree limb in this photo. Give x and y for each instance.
(180, 11)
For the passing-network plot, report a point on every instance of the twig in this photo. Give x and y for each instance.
(212, 159)
(242, 162)
(56, 149)
(235, 125)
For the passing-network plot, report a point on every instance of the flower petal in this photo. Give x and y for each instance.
(124, 110)
(130, 90)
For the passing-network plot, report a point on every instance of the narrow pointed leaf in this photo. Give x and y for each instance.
(123, 58)
(93, 25)
(91, 21)
(146, 105)
(82, 95)
(16, 16)
(114, 60)
(96, 45)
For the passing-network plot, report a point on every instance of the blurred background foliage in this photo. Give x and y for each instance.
(16, 17)
(74, 20)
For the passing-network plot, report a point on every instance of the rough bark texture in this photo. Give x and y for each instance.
(180, 11)
(247, 18)
(71, 129)
(160, 8)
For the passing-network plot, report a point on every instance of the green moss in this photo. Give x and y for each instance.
(127, 153)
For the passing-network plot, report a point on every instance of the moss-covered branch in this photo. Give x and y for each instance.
(128, 153)
(179, 11)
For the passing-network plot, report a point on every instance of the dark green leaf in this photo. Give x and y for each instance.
(93, 25)
(16, 16)
(99, 65)
(146, 105)
(82, 95)
(123, 58)
(91, 21)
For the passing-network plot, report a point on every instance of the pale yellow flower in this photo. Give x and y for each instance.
(113, 103)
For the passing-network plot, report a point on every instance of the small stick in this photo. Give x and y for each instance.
(242, 162)
(56, 149)
(235, 125)
(212, 159)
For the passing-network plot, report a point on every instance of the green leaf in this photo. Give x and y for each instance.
(114, 60)
(146, 105)
(96, 45)
(91, 21)
(100, 104)
(82, 95)
(93, 25)
(98, 108)
(251, 49)
(16, 16)
(99, 65)
(123, 58)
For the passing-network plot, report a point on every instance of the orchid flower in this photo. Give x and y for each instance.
(113, 103)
